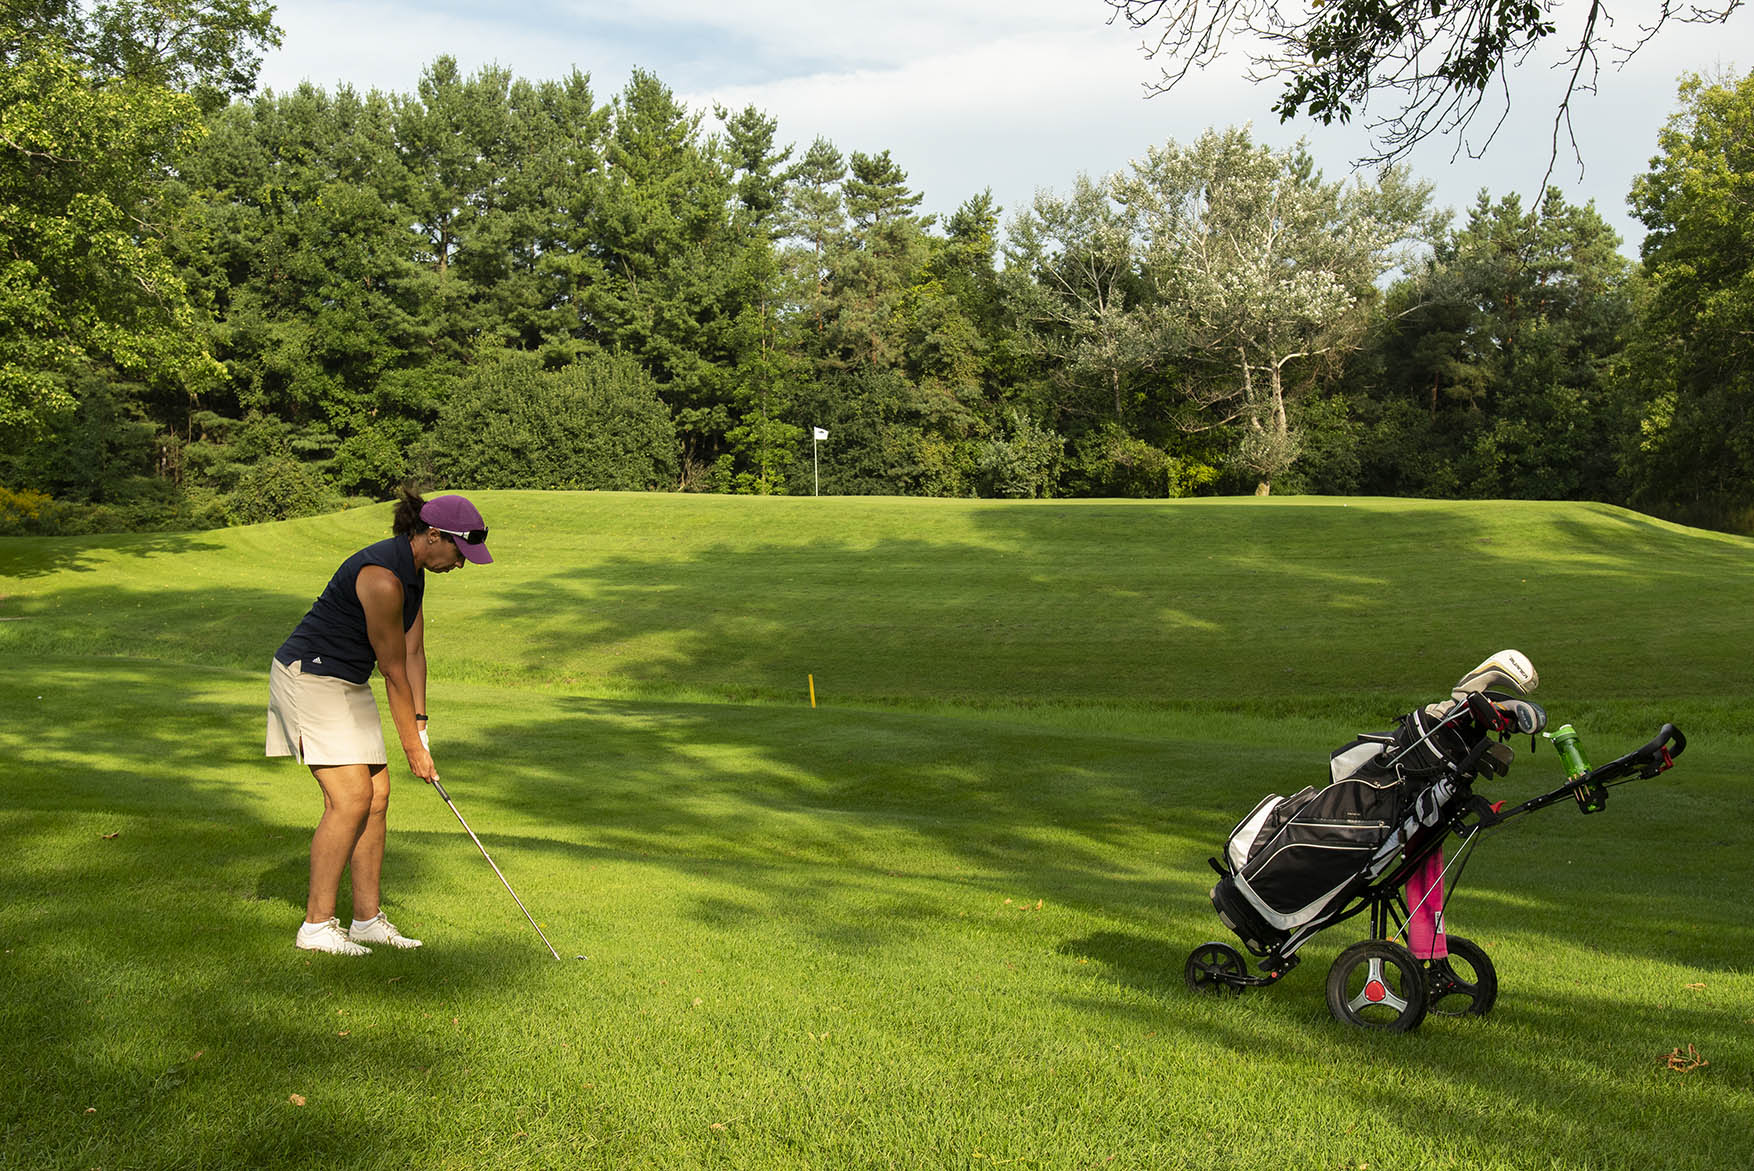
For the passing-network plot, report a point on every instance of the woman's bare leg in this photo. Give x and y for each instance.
(347, 804)
(368, 853)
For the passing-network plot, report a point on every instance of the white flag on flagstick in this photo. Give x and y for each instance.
(821, 433)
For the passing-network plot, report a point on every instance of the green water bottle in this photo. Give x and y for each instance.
(1570, 751)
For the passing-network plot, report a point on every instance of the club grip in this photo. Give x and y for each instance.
(441, 790)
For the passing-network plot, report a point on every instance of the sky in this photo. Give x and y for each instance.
(1011, 96)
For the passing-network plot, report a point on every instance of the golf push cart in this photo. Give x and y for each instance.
(1372, 841)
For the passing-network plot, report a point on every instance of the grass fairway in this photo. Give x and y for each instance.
(938, 921)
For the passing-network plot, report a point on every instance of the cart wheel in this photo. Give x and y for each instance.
(1465, 984)
(1214, 968)
(1377, 985)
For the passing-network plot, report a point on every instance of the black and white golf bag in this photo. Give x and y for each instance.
(1293, 861)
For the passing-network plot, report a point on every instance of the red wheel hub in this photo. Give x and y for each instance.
(1375, 992)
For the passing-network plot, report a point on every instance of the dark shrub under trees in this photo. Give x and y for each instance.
(599, 424)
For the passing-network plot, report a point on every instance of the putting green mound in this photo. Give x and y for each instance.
(1299, 602)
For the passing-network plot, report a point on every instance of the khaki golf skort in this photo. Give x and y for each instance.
(322, 720)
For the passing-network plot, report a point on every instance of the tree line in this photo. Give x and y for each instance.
(222, 306)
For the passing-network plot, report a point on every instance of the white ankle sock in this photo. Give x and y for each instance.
(362, 924)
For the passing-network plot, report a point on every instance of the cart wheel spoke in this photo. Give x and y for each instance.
(1377, 985)
(1464, 983)
(1215, 968)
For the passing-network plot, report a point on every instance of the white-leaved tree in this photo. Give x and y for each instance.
(1260, 271)
(1073, 278)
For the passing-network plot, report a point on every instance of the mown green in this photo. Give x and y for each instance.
(938, 920)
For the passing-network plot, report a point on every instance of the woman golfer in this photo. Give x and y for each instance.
(321, 709)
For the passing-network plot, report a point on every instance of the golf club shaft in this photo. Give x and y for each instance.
(490, 862)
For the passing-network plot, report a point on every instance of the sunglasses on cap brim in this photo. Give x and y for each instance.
(472, 537)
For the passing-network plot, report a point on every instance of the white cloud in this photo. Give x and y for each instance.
(848, 34)
(1012, 114)
(386, 46)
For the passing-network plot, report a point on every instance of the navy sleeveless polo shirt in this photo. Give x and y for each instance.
(331, 639)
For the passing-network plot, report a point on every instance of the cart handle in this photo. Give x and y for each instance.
(1658, 756)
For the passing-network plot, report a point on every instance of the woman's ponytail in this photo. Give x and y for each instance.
(407, 519)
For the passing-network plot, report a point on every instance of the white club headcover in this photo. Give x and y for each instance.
(1512, 667)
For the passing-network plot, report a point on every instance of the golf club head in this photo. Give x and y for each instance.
(1506, 667)
(1530, 717)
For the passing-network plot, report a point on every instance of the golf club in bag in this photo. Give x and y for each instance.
(490, 862)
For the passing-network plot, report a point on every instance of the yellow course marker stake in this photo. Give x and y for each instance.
(812, 679)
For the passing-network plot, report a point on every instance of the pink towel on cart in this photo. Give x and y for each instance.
(1425, 937)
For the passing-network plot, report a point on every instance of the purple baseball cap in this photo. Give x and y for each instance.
(461, 521)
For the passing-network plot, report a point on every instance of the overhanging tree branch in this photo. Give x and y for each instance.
(1431, 65)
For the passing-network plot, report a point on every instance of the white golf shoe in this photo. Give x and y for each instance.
(378, 929)
(328, 936)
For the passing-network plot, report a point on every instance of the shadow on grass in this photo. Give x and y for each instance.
(783, 793)
(1135, 606)
(1500, 1090)
(1306, 607)
(1145, 962)
(40, 556)
(1124, 823)
(223, 1048)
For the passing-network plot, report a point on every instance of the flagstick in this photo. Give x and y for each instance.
(816, 464)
